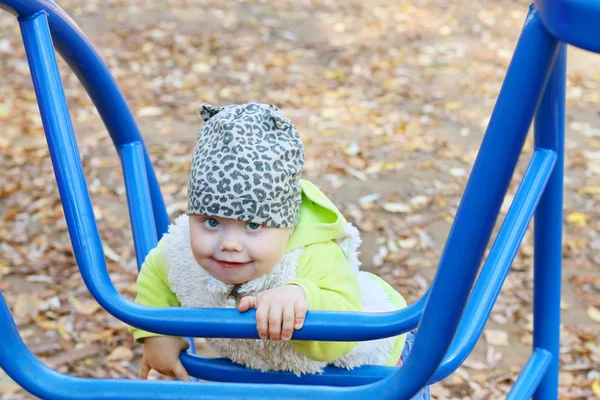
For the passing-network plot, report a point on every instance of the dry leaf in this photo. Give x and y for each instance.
(397, 207)
(85, 307)
(27, 305)
(149, 112)
(578, 219)
(596, 388)
(121, 353)
(110, 253)
(496, 337)
(458, 172)
(594, 314)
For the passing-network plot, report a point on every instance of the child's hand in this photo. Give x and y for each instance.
(161, 353)
(278, 311)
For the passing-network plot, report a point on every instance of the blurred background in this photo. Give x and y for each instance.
(391, 98)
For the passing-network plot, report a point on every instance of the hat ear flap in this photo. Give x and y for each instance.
(280, 121)
(207, 111)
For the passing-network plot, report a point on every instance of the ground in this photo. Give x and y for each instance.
(391, 98)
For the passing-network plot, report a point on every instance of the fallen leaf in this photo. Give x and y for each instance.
(26, 306)
(458, 172)
(596, 388)
(85, 307)
(397, 207)
(149, 112)
(594, 314)
(409, 243)
(121, 353)
(496, 337)
(578, 219)
(73, 355)
(110, 253)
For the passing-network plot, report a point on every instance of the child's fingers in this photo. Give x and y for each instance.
(184, 344)
(275, 319)
(287, 328)
(180, 372)
(144, 370)
(247, 303)
(262, 321)
(300, 309)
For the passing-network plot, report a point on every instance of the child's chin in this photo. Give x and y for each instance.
(234, 280)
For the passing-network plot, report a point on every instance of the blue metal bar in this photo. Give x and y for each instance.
(572, 21)
(481, 201)
(138, 199)
(140, 205)
(531, 375)
(498, 263)
(76, 49)
(550, 133)
(214, 369)
(223, 370)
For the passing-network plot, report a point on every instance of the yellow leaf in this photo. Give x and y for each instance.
(590, 190)
(596, 388)
(47, 325)
(62, 331)
(5, 110)
(594, 314)
(334, 74)
(453, 105)
(577, 219)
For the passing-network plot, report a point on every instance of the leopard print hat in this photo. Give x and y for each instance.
(247, 165)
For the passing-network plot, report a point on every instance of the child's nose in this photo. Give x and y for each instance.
(230, 244)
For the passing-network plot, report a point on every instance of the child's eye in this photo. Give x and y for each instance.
(253, 226)
(211, 223)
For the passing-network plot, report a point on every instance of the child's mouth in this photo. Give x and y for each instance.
(230, 264)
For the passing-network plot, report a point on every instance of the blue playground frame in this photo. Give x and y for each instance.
(450, 316)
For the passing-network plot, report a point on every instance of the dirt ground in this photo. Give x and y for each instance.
(391, 98)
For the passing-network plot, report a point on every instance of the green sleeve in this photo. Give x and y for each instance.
(330, 284)
(153, 289)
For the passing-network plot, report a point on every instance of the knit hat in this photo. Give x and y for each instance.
(246, 165)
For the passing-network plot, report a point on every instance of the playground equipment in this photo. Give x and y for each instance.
(450, 316)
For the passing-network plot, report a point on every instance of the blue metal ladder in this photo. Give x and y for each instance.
(450, 316)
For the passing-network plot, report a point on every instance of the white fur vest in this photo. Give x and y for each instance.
(194, 287)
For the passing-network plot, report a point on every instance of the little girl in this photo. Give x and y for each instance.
(255, 235)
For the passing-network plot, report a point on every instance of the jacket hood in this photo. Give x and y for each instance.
(319, 221)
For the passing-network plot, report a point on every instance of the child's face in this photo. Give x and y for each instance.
(235, 251)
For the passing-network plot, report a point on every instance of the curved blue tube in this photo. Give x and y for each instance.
(572, 21)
